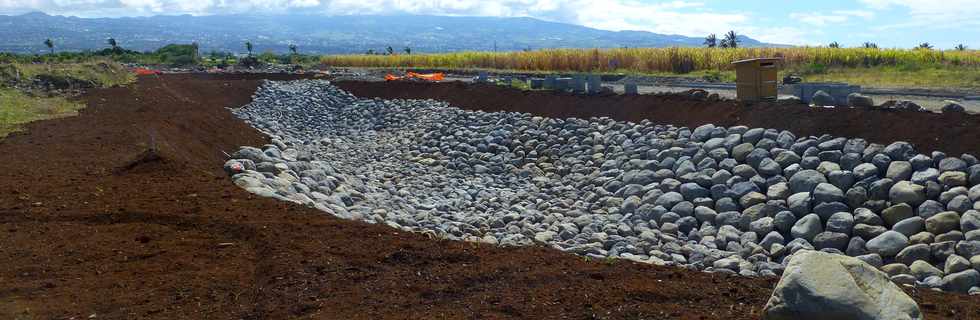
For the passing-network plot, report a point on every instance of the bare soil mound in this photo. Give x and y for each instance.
(951, 133)
(172, 238)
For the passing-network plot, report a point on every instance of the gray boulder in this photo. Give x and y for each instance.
(899, 170)
(842, 222)
(950, 106)
(952, 164)
(907, 192)
(961, 281)
(943, 222)
(806, 181)
(857, 100)
(956, 264)
(807, 227)
(822, 99)
(912, 253)
(896, 213)
(910, 226)
(826, 192)
(818, 285)
(888, 244)
(834, 240)
(922, 269)
(970, 221)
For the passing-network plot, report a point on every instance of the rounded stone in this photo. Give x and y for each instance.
(806, 181)
(888, 244)
(943, 222)
(896, 213)
(912, 253)
(910, 226)
(908, 193)
(834, 240)
(922, 269)
(807, 227)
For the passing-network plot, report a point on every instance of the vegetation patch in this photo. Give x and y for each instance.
(92, 74)
(18, 108)
(39, 91)
(897, 67)
(929, 76)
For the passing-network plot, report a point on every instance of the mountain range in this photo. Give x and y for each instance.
(322, 34)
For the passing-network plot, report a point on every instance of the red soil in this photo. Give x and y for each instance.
(93, 224)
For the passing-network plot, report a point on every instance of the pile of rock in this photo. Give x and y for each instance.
(733, 200)
(857, 100)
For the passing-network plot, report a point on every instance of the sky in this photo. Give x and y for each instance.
(888, 23)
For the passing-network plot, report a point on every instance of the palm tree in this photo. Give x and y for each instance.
(293, 49)
(50, 45)
(834, 45)
(924, 45)
(113, 44)
(711, 41)
(408, 50)
(732, 39)
(870, 45)
(960, 47)
(248, 46)
(390, 50)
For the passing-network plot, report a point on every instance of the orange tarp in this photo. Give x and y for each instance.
(144, 71)
(428, 77)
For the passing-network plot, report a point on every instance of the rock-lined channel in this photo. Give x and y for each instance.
(735, 200)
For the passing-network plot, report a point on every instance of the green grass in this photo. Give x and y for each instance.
(17, 109)
(102, 74)
(902, 76)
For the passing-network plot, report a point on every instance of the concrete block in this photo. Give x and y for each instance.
(806, 90)
(631, 89)
(594, 84)
(563, 84)
(536, 83)
(549, 83)
(578, 84)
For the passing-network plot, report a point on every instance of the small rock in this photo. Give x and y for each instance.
(953, 107)
(908, 193)
(888, 244)
(807, 227)
(857, 100)
(961, 281)
(822, 99)
(956, 264)
(943, 222)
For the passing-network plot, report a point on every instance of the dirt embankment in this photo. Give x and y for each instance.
(90, 226)
(953, 134)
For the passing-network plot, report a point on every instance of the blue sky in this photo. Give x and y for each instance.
(889, 23)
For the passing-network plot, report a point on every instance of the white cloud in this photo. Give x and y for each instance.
(949, 14)
(660, 18)
(835, 17)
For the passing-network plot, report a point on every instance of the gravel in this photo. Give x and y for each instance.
(732, 200)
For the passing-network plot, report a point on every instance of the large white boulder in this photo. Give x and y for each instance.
(818, 285)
